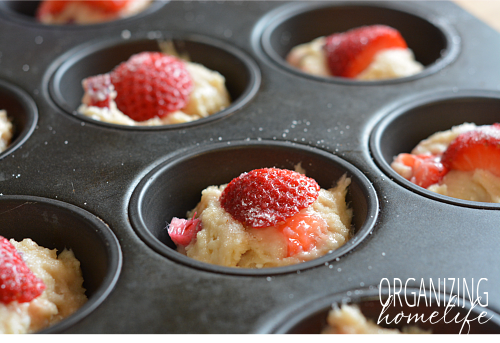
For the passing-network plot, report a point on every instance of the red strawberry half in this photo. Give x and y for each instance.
(148, 85)
(54, 7)
(264, 197)
(98, 90)
(351, 52)
(151, 84)
(476, 149)
(109, 6)
(17, 281)
(50, 7)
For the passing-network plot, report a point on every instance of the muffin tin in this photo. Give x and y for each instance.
(240, 71)
(122, 185)
(162, 195)
(310, 317)
(57, 225)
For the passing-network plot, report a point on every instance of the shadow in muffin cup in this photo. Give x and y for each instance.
(25, 13)
(24, 8)
(310, 317)
(55, 224)
(240, 71)
(434, 43)
(410, 122)
(174, 187)
(21, 110)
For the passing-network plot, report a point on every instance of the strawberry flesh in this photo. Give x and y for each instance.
(183, 231)
(54, 7)
(98, 90)
(151, 84)
(427, 169)
(351, 52)
(148, 85)
(109, 6)
(264, 197)
(476, 149)
(302, 231)
(50, 7)
(17, 281)
(471, 150)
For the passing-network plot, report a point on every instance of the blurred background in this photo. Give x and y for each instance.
(486, 10)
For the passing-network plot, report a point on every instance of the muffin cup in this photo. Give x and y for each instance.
(409, 123)
(433, 42)
(174, 187)
(24, 12)
(310, 317)
(55, 224)
(21, 109)
(26, 9)
(241, 73)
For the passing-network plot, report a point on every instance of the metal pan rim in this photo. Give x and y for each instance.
(141, 229)
(399, 110)
(281, 322)
(31, 113)
(57, 69)
(113, 249)
(263, 30)
(23, 19)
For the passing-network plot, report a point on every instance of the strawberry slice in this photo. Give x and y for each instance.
(49, 8)
(151, 84)
(54, 7)
(109, 6)
(264, 197)
(427, 169)
(148, 85)
(17, 281)
(351, 52)
(183, 231)
(302, 231)
(98, 90)
(476, 149)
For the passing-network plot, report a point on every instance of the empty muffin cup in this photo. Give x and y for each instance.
(25, 13)
(241, 74)
(433, 42)
(409, 123)
(55, 224)
(174, 187)
(21, 111)
(310, 317)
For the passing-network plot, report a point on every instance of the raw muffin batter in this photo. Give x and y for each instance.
(62, 296)
(360, 53)
(460, 163)
(348, 319)
(221, 235)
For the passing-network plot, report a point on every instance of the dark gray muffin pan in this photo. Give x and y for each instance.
(57, 225)
(241, 73)
(162, 195)
(309, 317)
(21, 111)
(108, 191)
